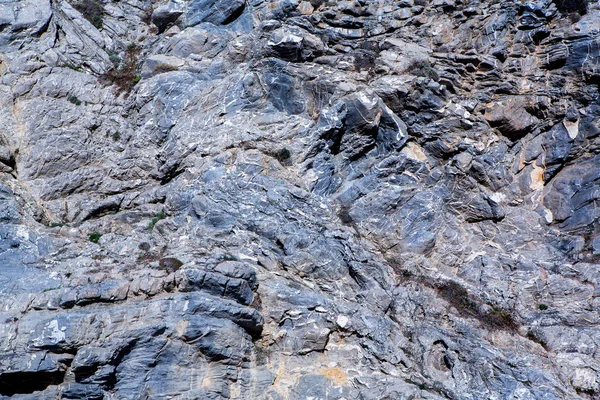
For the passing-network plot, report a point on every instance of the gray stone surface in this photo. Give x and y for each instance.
(299, 200)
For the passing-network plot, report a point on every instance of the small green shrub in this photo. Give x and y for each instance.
(116, 136)
(157, 217)
(94, 237)
(543, 307)
(115, 59)
(422, 68)
(74, 100)
(228, 257)
(91, 10)
(124, 75)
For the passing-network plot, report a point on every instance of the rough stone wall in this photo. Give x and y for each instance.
(283, 199)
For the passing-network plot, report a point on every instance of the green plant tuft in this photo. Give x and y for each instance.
(94, 237)
(115, 59)
(157, 217)
(543, 307)
(422, 68)
(92, 10)
(74, 100)
(124, 73)
(229, 257)
(57, 224)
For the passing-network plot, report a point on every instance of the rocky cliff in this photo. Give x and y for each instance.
(283, 199)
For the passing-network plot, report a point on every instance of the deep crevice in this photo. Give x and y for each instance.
(85, 372)
(12, 163)
(236, 14)
(111, 380)
(103, 210)
(171, 174)
(26, 382)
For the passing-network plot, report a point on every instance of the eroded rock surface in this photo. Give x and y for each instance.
(291, 199)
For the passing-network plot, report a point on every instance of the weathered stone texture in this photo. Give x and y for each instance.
(208, 199)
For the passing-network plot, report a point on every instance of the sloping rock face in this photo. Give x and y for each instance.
(283, 199)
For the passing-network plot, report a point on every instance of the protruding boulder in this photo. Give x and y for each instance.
(360, 123)
(218, 12)
(165, 15)
(511, 117)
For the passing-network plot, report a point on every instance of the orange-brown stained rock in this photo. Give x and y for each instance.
(335, 375)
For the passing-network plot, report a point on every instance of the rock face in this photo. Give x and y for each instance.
(206, 199)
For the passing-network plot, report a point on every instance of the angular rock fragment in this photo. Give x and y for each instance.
(510, 117)
(218, 12)
(164, 15)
